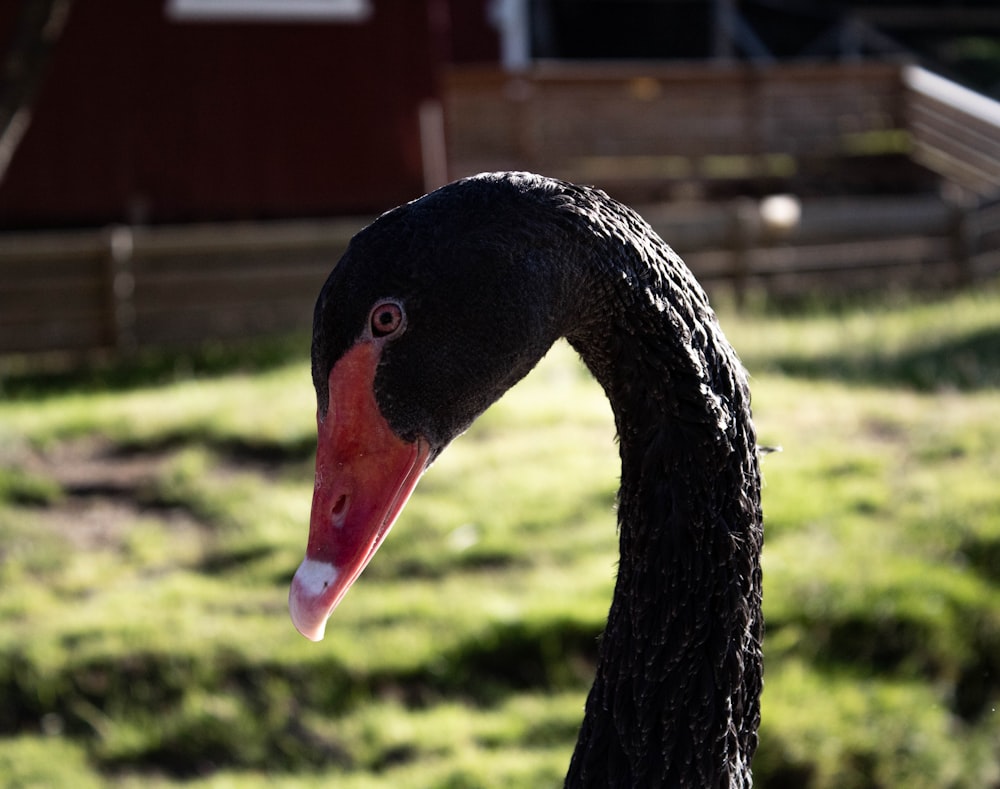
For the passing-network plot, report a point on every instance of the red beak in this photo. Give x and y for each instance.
(364, 476)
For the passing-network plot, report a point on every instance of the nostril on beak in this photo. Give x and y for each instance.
(339, 510)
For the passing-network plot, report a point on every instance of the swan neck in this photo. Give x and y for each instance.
(679, 670)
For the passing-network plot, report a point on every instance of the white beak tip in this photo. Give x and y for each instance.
(309, 598)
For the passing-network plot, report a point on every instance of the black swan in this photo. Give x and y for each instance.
(440, 306)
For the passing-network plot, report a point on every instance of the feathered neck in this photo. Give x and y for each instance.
(676, 698)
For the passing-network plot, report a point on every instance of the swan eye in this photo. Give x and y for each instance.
(386, 319)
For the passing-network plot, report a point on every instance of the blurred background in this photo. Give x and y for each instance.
(177, 178)
(136, 124)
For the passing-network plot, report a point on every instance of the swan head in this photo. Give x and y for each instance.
(435, 310)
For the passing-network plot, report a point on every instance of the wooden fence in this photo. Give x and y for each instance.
(123, 288)
(954, 131)
(635, 128)
(629, 126)
(126, 288)
(840, 246)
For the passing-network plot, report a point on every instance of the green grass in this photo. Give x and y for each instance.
(151, 518)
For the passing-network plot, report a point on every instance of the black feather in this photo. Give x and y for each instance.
(491, 270)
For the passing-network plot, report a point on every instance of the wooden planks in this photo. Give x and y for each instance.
(620, 125)
(955, 132)
(53, 292)
(115, 290)
(155, 287)
(839, 245)
(557, 119)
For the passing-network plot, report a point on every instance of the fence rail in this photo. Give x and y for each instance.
(624, 126)
(838, 245)
(125, 288)
(629, 127)
(955, 131)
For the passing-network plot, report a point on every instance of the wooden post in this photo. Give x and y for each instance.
(120, 290)
(744, 224)
(963, 242)
(433, 150)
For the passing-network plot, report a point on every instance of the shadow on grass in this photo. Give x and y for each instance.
(967, 363)
(261, 453)
(193, 714)
(909, 644)
(544, 654)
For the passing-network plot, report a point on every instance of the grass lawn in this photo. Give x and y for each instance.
(150, 526)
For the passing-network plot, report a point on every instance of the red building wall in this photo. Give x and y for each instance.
(146, 119)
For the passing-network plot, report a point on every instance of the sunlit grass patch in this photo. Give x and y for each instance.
(276, 407)
(861, 719)
(146, 640)
(929, 345)
(40, 761)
